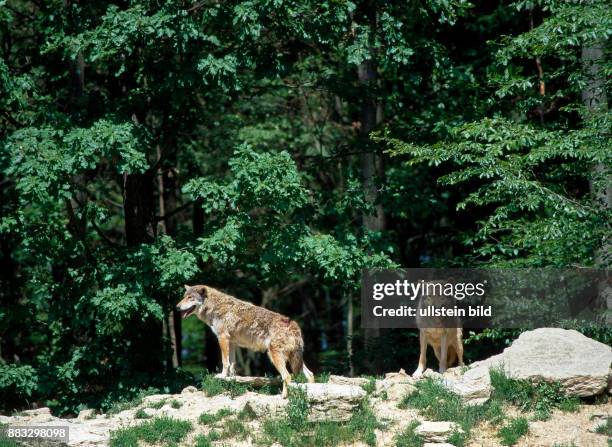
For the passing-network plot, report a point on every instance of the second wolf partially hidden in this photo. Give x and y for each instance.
(238, 323)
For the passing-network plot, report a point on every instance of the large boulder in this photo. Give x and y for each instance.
(580, 364)
(331, 402)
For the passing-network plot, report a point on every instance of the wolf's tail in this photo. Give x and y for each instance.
(296, 356)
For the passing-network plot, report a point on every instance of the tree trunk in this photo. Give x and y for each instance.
(596, 101)
(139, 208)
(371, 163)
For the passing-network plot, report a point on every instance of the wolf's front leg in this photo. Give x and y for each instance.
(232, 359)
(422, 355)
(224, 345)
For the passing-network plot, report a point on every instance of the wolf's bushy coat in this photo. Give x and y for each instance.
(238, 323)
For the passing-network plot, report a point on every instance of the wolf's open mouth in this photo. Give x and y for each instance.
(186, 312)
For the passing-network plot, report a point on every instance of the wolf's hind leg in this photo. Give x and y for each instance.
(308, 373)
(280, 363)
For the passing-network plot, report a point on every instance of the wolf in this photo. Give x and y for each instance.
(238, 323)
(447, 342)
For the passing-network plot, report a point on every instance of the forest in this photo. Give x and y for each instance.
(273, 149)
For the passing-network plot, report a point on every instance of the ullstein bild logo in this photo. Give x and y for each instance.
(479, 298)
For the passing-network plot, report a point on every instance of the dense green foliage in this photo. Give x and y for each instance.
(145, 144)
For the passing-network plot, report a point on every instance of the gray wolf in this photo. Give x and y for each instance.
(238, 323)
(447, 342)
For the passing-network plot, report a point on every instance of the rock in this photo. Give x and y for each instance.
(189, 389)
(85, 414)
(436, 431)
(437, 444)
(397, 385)
(473, 385)
(255, 382)
(44, 411)
(341, 380)
(398, 391)
(580, 364)
(331, 402)
(268, 407)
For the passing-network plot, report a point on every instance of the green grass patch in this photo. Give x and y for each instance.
(408, 438)
(539, 397)
(212, 418)
(127, 404)
(202, 441)
(513, 431)
(141, 414)
(605, 428)
(157, 405)
(163, 430)
(235, 429)
(176, 404)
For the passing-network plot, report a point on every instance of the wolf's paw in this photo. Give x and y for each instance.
(221, 375)
(418, 373)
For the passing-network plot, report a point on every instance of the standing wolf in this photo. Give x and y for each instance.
(238, 323)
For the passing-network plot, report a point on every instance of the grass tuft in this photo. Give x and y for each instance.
(141, 414)
(409, 438)
(605, 428)
(539, 397)
(512, 432)
(212, 418)
(163, 430)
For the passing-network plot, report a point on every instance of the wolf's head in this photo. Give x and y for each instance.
(192, 300)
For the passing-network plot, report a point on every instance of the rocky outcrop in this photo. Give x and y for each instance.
(331, 402)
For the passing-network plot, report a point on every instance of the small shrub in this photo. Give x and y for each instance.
(322, 378)
(212, 418)
(370, 386)
(297, 410)
(176, 404)
(408, 438)
(512, 432)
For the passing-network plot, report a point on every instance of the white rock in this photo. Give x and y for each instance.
(397, 391)
(436, 431)
(341, 380)
(437, 444)
(189, 389)
(580, 364)
(256, 382)
(473, 385)
(85, 414)
(37, 412)
(331, 402)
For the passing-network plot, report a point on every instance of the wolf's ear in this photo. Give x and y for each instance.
(200, 291)
(186, 287)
